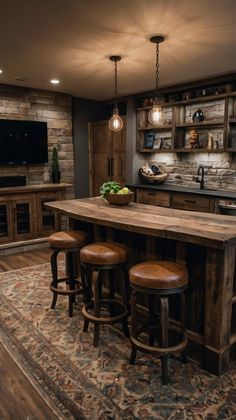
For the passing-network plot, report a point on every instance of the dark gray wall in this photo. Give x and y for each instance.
(84, 111)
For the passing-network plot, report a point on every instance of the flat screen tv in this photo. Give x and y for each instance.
(23, 142)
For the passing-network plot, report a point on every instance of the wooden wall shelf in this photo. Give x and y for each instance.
(178, 124)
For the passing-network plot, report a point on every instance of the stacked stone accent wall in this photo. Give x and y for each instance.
(54, 108)
(220, 168)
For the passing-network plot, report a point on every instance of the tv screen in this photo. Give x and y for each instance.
(23, 142)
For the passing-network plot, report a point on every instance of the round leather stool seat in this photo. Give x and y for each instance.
(158, 275)
(100, 253)
(68, 239)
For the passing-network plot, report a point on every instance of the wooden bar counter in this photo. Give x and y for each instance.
(204, 242)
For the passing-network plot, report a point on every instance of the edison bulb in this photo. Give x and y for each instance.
(115, 123)
(155, 115)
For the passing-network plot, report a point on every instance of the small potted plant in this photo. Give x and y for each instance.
(56, 174)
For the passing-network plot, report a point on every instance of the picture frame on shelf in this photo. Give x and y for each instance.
(157, 142)
(148, 142)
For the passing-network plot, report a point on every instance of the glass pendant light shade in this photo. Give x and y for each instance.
(115, 123)
(155, 115)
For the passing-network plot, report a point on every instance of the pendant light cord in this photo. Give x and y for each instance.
(116, 71)
(157, 67)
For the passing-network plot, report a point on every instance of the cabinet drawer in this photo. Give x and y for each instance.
(153, 197)
(192, 202)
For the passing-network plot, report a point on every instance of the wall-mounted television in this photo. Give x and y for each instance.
(23, 142)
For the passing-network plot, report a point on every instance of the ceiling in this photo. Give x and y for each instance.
(72, 39)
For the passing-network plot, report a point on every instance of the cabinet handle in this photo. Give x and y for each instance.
(112, 164)
(190, 201)
(108, 167)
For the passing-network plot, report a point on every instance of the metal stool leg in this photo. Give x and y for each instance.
(151, 303)
(88, 276)
(125, 300)
(97, 291)
(133, 325)
(86, 294)
(183, 325)
(111, 291)
(71, 280)
(164, 336)
(54, 276)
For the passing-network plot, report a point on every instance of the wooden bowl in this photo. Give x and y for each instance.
(120, 199)
(153, 179)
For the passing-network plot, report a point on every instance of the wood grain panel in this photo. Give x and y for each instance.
(153, 197)
(199, 228)
(192, 202)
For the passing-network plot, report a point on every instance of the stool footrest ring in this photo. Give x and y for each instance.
(162, 351)
(67, 292)
(105, 320)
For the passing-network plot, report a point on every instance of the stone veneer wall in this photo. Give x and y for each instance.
(18, 103)
(220, 168)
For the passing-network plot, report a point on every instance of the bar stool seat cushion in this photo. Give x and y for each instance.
(158, 275)
(104, 253)
(68, 239)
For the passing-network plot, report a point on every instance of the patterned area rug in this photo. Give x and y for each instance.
(80, 382)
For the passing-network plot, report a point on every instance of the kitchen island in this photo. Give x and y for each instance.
(204, 242)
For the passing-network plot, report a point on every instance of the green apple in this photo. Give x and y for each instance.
(125, 190)
(120, 192)
(112, 192)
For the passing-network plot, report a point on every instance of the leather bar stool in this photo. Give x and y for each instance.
(158, 280)
(69, 242)
(97, 259)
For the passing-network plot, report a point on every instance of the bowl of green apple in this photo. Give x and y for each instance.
(112, 192)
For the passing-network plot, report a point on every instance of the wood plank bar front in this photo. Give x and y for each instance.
(204, 242)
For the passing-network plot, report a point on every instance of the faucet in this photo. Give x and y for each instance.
(198, 179)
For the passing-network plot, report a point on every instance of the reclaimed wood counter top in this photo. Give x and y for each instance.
(204, 229)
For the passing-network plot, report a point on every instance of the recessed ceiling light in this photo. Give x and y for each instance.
(55, 81)
(1, 71)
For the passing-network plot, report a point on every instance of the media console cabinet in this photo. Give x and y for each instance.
(22, 212)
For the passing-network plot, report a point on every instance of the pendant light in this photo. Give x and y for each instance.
(155, 114)
(115, 123)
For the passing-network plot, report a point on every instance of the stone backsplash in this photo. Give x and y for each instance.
(18, 103)
(220, 168)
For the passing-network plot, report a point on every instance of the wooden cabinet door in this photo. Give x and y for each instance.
(25, 215)
(100, 155)
(107, 155)
(6, 222)
(48, 220)
(193, 202)
(153, 197)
